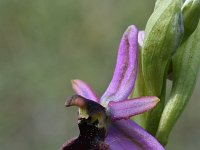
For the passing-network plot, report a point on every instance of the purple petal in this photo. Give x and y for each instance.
(125, 134)
(83, 89)
(126, 68)
(141, 38)
(127, 108)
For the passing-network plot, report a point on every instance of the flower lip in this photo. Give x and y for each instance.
(90, 137)
(93, 124)
(90, 110)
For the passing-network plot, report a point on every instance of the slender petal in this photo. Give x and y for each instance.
(125, 134)
(126, 68)
(127, 108)
(141, 38)
(83, 89)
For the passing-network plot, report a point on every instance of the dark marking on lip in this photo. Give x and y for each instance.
(90, 138)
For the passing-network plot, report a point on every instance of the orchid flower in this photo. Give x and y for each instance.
(104, 122)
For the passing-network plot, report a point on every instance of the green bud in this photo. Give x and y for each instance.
(162, 36)
(191, 15)
(186, 64)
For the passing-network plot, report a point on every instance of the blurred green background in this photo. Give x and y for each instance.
(46, 43)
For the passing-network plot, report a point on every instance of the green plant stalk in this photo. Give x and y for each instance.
(153, 117)
(186, 65)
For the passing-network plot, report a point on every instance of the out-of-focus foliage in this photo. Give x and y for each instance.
(43, 45)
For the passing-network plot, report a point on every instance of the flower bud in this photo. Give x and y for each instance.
(191, 14)
(162, 36)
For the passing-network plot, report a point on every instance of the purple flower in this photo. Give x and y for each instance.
(104, 122)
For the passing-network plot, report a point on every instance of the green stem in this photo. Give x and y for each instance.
(153, 117)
